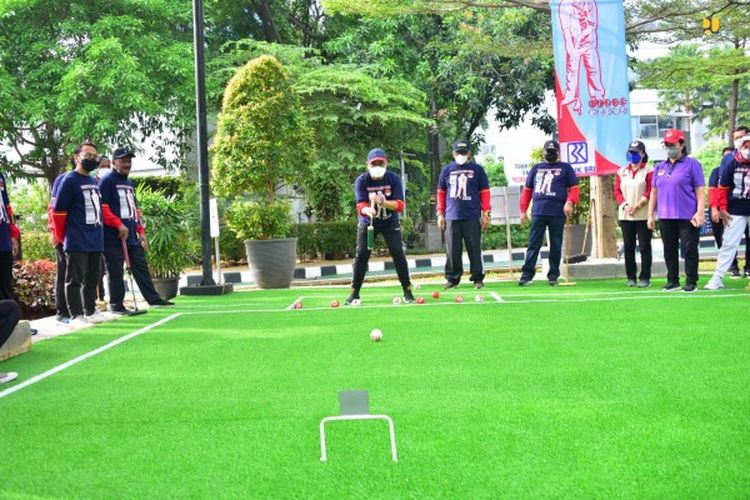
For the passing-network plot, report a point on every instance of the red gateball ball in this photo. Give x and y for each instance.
(298, 305)
(420, 300)
(435, 295)
(335, 303)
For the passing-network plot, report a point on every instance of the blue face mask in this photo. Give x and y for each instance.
(634, 158)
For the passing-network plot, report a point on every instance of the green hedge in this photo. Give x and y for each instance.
(166, 184)
(329, 240)
(494, 238)
(37, 245)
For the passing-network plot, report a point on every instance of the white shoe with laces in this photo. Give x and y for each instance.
(714, 284)
(95, 318)
(77, 322)
(8, 377)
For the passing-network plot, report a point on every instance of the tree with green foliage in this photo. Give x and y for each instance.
(263, 141)
(108, 71)
(354, 109)
(707, 76)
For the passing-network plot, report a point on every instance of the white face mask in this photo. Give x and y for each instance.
(377, 172)
(745, 153)
(461, 159)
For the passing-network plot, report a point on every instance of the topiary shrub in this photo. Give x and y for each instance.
(250, 220)
(262, 141)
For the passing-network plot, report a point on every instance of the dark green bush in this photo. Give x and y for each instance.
(166, 184)
(495, 239)
(36, 245)
(250, 220)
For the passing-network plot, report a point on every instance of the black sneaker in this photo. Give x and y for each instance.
(644, 284)
(449, 284)
(161, 302)
(734, 274)
(671, 287)
(408, 296)
(478, 285)
(351, 298)
(120, 311)
(524, 282)
(552, 281)
(690, 288)
(631, 283)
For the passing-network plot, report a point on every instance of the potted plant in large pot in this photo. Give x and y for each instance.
(262, 144)
(169, 247)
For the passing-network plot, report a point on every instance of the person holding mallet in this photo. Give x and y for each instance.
(379, 196)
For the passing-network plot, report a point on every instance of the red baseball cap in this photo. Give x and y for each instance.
(673, 136)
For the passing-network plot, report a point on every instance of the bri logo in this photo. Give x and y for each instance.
(578, 152)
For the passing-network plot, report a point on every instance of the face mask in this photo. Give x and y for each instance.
(377, 172)
(745, 154)
(89, 164)
(738, 144)
(550, 156)
(634, 158)
(461, 159)
(673, 152)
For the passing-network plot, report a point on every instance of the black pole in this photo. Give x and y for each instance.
(202, 136)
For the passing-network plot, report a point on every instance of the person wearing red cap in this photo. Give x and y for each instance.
(733, 201)
(632, 190)
(380, 199)
(553, 186)
(678, 198)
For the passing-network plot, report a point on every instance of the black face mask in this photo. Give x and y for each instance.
(550, 156)
(89, 164)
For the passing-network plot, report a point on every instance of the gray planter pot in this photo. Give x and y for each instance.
(272, 262)
(167, 287)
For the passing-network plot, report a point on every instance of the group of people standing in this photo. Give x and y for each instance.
(672, 192)
(91, 218)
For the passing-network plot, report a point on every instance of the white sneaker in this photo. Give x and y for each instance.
(714, 284)
(77, 322)
(7, 377)
(95, 318)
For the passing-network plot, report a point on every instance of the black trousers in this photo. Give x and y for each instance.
(539, 225)
(458, 233)
(395, 243)
(718, 229)
(632, 229)
(676, 232)
(114, 259)
(6, 276)
(10, 313)
(61, 304)
(80, 282)
(100, 283)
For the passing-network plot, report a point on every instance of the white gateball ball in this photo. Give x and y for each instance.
(479, 298)
(397, 300)
(376, 335)
(356, 302)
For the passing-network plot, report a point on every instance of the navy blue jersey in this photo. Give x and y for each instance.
(5, 220)
(713, 179)
(118, 192)
(78, 196)
(390, 185)
(550, 182)
(462, 185)
(736, 176)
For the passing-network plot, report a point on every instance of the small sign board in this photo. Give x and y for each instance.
(213, 211)
(505, 205)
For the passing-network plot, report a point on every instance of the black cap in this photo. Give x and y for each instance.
(637, 147)
(120, 153)
(461, 146)
(552, 145)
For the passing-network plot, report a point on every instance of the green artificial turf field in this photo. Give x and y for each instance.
(586, 391)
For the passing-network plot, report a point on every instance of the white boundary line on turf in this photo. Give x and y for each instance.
(291, 306)
(84, 357)
(660, 295)
(497, 298)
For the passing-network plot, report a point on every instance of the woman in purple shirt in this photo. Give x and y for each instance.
(678, 198)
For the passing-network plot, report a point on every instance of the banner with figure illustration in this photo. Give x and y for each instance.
(591, 84)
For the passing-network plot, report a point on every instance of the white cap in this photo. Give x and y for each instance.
(742, 140)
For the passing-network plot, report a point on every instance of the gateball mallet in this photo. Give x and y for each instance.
(125, 253)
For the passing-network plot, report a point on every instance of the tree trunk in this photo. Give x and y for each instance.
(605, 217)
